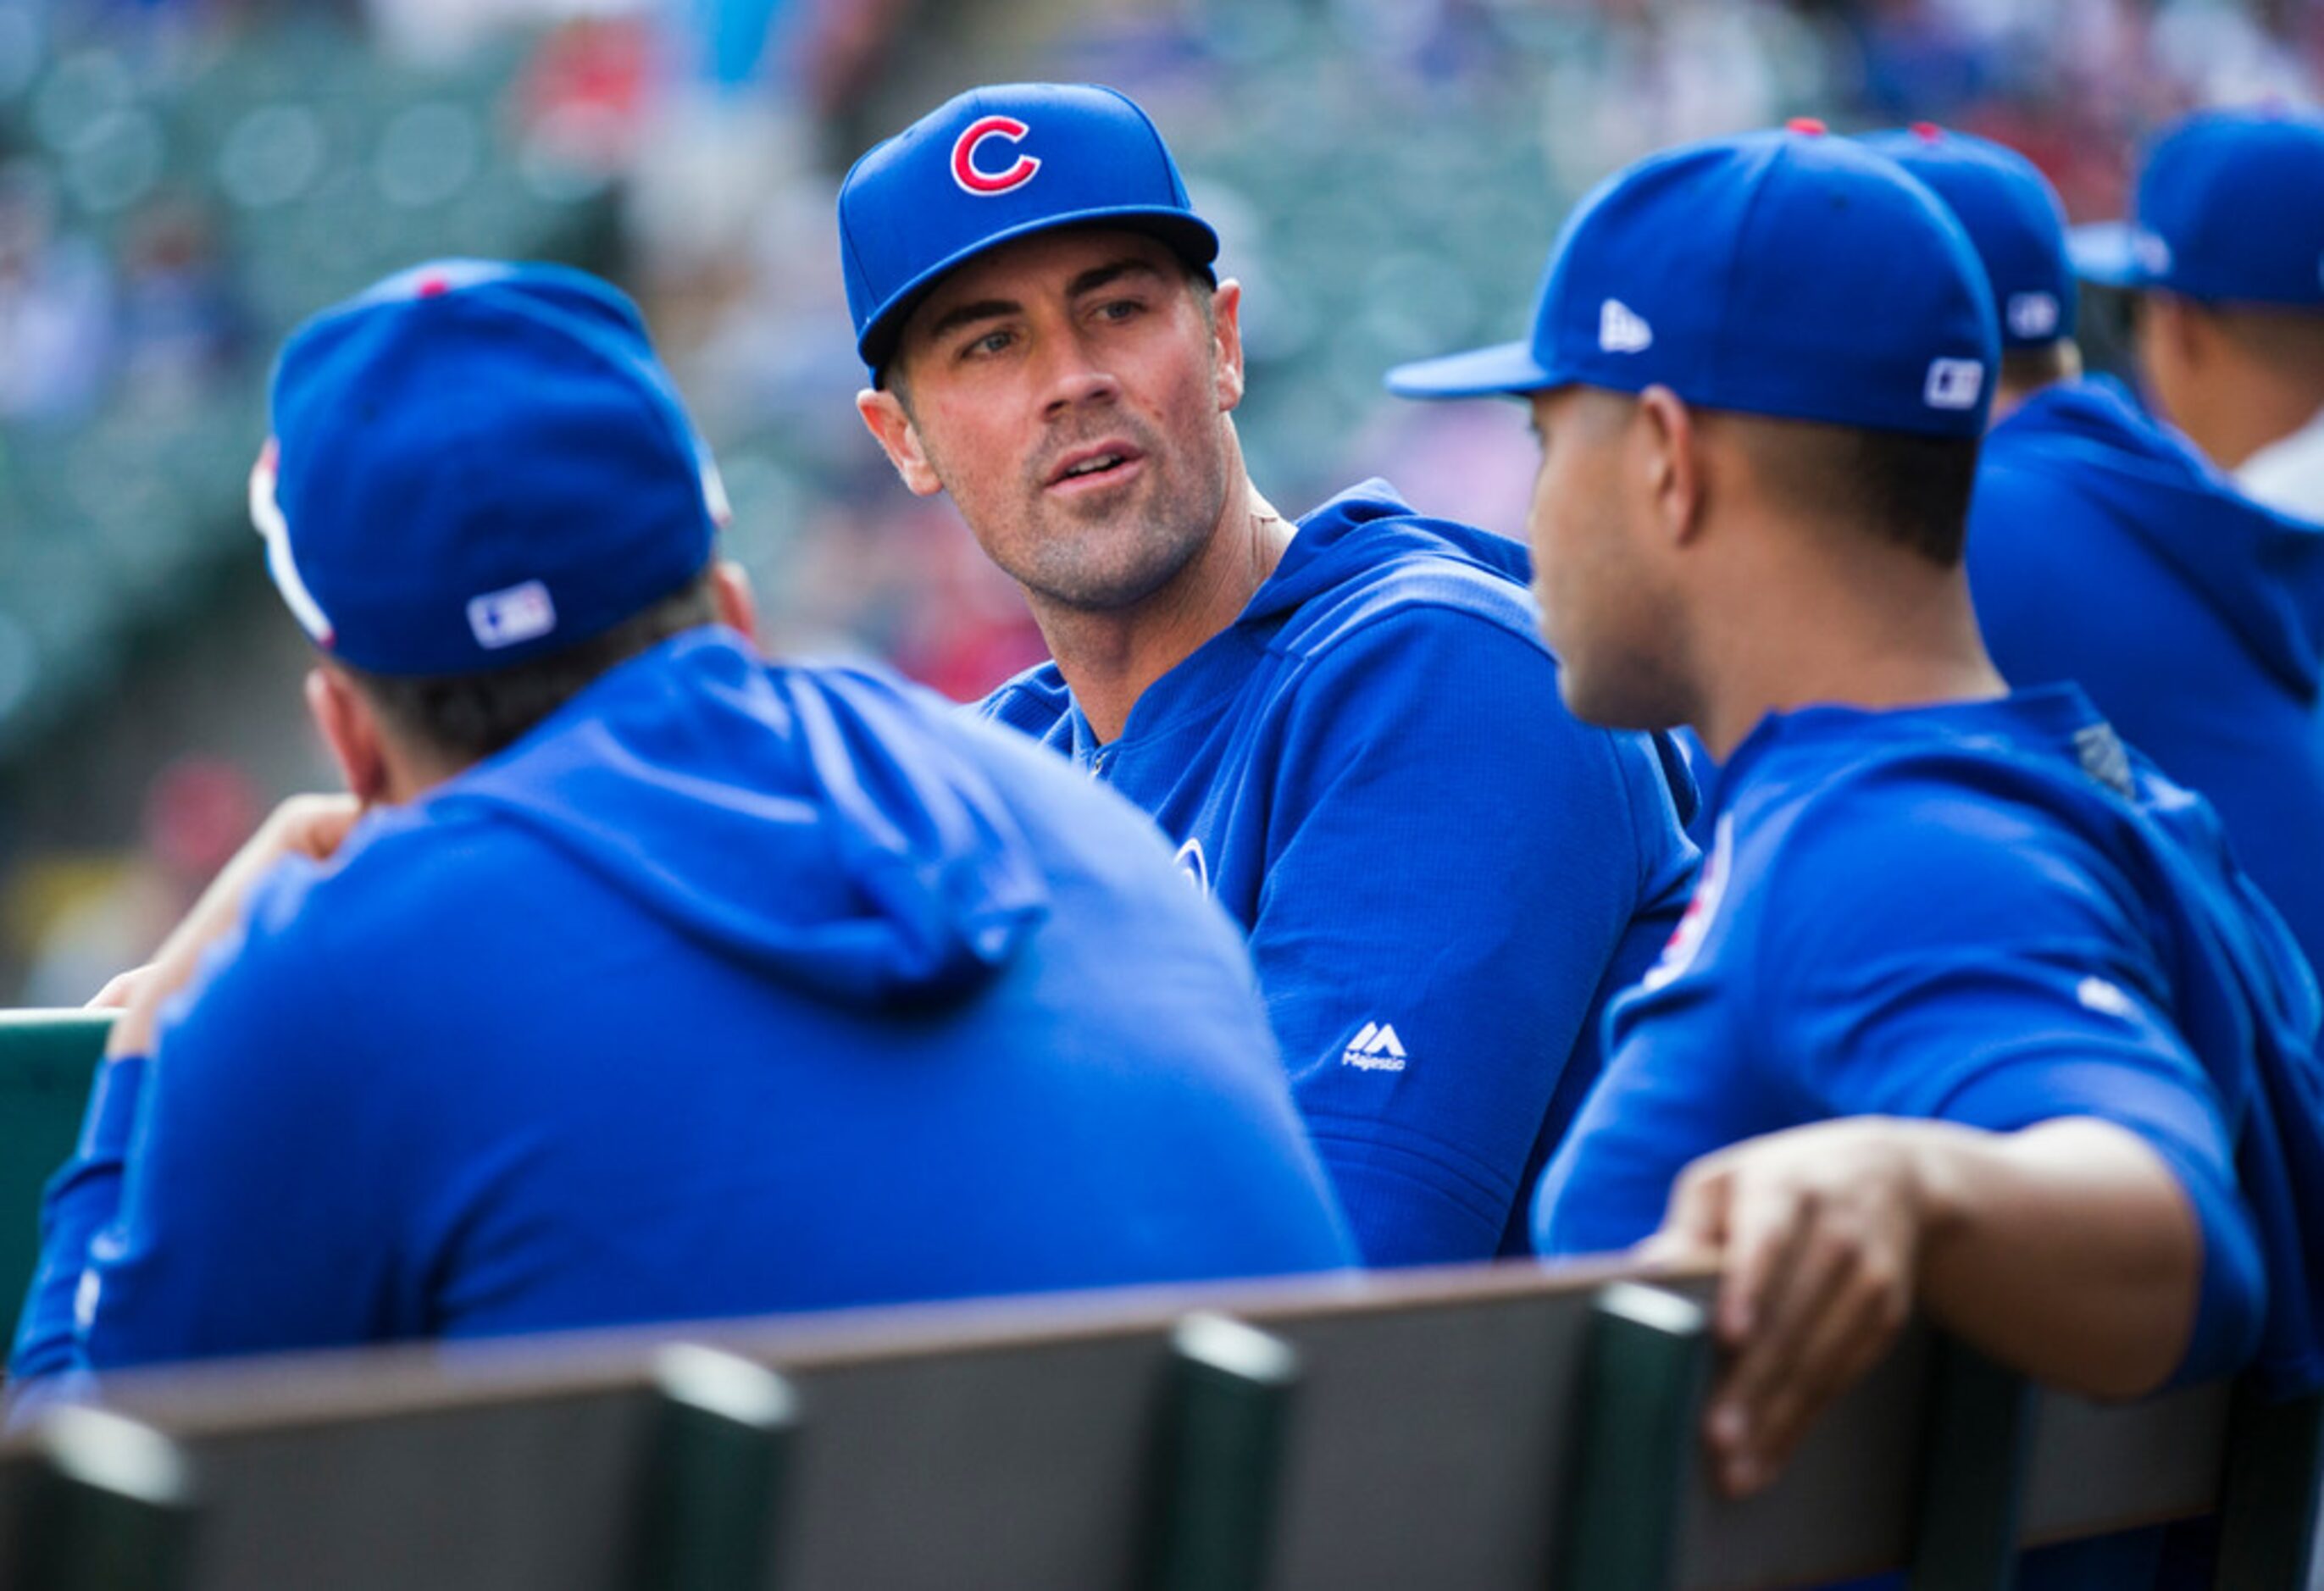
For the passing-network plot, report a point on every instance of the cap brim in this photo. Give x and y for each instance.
(2102, 252)
(1186, 233)
(1504, 369)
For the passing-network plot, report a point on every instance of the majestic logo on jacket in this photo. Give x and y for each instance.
(1376, 1049)
(1686, 940)
(973, 178)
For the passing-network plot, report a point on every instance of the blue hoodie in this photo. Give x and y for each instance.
(733, 989)
(1985, 912)
(1443, 874)
(2104, 549)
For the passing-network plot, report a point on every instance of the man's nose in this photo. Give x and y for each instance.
(1076, 377)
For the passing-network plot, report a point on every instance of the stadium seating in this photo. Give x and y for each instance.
(1483, 1429)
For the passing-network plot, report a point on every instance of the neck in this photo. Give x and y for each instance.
(1109, 658)
(1874, 626)
(2009, 397)
(2259, 406)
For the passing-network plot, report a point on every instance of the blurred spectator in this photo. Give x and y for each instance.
(56, 310)
(182, 324)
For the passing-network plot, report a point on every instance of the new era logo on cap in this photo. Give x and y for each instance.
(1622, 330)
(1953, 383)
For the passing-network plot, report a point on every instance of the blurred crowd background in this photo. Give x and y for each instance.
(183, 180)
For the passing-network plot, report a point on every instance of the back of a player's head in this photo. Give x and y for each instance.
(988, 168)
(1799, 281)
(2017, 225)
(481, 489)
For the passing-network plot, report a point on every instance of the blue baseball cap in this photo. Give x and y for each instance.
(2013, 217)
(1786, 273)
(991, 166)
(2230, 208)
(477, 463)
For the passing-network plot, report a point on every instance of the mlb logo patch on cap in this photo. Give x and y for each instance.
(1954, 384)
(503, 619)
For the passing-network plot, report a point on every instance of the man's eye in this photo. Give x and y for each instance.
(1118, 308)
(991, 342)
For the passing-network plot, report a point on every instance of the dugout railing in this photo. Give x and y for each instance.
(1481, 1427)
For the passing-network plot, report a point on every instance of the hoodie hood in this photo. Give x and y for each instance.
(2261, 571)
(820, 827)
(1357, 534)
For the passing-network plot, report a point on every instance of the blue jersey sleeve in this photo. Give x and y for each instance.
(1998, 973)
(238, 1227)
(1455, 862)
(80, 1201)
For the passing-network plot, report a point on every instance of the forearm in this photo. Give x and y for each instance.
(305, 825)
(81, 1202)
(2067, 1250)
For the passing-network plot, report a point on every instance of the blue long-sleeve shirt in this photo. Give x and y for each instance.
(1444, 875)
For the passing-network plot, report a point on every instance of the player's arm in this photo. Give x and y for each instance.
(190, 1221)
(80, 1201)
(1452, 866)
(2047, 1173)
(84, 1198)
(311, 826)
(2069, 1250)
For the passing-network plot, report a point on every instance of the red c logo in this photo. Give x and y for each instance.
(987, 183)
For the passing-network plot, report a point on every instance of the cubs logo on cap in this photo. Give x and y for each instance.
(974, 179)
(1787, 273)
(991, 166)
(475, 463)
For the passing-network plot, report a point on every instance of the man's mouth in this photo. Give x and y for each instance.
(1107, 462)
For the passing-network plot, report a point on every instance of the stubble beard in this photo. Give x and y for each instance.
(1111, 550)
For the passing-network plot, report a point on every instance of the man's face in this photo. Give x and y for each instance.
(1605, 612)
(1071, 393)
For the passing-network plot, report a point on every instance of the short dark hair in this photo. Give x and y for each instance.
(464, 718)
(1910, 489)
(2282, 337)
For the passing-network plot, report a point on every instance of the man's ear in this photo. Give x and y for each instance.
(883, 413)
(351, 729)
(1226, 313)
(732, 599)
(1666, 453)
